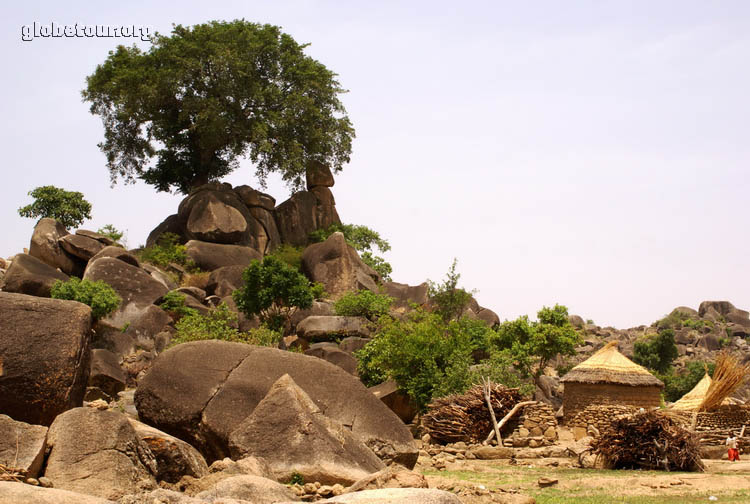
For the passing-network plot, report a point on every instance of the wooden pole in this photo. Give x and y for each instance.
(487, 386)
(507, 417)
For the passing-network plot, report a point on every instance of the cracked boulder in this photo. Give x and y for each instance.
(290, 432)
(98, 453)
(202, 391)
(44, 356)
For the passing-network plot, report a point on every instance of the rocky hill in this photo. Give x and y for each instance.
(216, 418)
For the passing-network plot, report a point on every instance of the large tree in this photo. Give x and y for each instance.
(184, 112)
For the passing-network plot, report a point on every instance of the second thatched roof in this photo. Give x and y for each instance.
(609, 366)
(693, 399)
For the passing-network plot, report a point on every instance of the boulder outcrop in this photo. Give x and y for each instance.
(293, 435)
(336, 265)
(45, 246)
(202, 391)
(22, 446)
(98, 453)
(29, 275)
(44, 347)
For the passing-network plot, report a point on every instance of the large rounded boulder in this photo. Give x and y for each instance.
(44, 356)
(202, 391)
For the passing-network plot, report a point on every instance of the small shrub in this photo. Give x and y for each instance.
(448, 299)
(101, 297)
(364, 303)
(111, 232)
(296, 479)
(590, 321)
(273, 290)
(656, 351)
(174, 303)
(380, 265)
(197, 279)
(167, 250)
(289, 255)
(221, 324)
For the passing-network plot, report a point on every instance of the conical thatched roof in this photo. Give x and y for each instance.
(693, 399)
(608, 365)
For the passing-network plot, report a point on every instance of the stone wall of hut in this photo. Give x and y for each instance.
(535, 426)
(598, 416)
(578, 396)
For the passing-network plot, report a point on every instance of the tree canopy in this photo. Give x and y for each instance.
(184, 112)
(68, 207)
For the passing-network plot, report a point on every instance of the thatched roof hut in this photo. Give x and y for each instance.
(608, 377)
(693, 399)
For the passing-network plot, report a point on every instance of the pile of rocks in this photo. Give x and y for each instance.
(726, 417)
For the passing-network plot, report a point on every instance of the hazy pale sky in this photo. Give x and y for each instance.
(588, 153)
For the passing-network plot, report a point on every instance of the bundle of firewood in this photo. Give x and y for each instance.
(10, 474)
(465, 417)
(650, 440)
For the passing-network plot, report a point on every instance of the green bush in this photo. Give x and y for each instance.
(111, 232)
(273, 291)
(424, 355)
(101, 297)
(380, 265)
(174, 303)
(67, 207)
(220, 324)
(364, 303)
(449, 300)
(677, 385)
(656, 351)
(501, 368)
(289, 255)
(167, 250)
(534, 344)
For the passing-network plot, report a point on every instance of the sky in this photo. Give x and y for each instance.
(588, 153)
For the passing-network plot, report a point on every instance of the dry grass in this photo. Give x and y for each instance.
(199, 280)
(728, 377)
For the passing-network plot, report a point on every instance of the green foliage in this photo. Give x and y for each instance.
(656, 352)
(100, 296)
(67, 207)
(167, 250)
(380, 265)
(677, 385)
(364, 303)
(534, 344)
(174, 302)
(677, 320)
(296, 479)
(207, 95)
(221, 324)
(289, 254)
(361, 238)
(364, 240)
(273, 290)
(590, 321)
(500, 368)
(111, 232)
(423, 354)
(448, 299)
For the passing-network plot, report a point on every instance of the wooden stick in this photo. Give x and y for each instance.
(507, 417)
(742, 432)
(487, 386)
